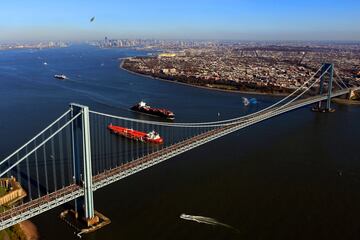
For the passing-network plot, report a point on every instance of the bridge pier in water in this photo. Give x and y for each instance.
(327, 71)
(82, 174)
(82, 163)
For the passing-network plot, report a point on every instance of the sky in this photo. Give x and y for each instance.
(40, 20)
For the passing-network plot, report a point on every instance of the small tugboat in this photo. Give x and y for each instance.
(151, 137)
(142, 107)
(246, 101)
(60, 76)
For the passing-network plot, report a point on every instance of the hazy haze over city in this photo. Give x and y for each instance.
(236, 20)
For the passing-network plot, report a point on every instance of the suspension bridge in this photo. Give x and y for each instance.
(77, 154)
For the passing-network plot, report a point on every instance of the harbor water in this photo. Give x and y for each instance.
(295, 176)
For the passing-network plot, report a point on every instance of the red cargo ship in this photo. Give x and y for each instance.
(151, 137)
(144, 108)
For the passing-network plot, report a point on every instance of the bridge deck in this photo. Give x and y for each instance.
(39, 202)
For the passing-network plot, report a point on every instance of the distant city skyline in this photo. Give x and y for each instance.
(41, 20)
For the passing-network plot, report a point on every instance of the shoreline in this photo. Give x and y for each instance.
(197, 86)
(25, 230)
(29, 229)
(346, 101)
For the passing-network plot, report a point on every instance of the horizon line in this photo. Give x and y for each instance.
(183, 39)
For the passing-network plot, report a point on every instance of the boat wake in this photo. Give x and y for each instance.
(206, 220)
(247, 101)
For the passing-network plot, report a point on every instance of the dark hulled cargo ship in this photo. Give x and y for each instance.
(142, 107)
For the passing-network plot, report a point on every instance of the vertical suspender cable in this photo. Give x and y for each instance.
(61, 157)
(37, 170)
(137, 142)
(117, 146)
(131, 146)
(45, 166)
(103, 152)
(110, 151)
(106, 146)
(28, 174)
(53, 161)
(68, 150)
(98, 158)
(99, 140)
(18, 169)
(147, 145)
(126, 146)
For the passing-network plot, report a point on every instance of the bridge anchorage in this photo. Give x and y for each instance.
(84, 150)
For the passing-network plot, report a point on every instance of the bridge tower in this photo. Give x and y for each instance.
(327, 72)
(81, 152)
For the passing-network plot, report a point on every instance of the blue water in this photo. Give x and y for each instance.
(95, 79)
(296, 176)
